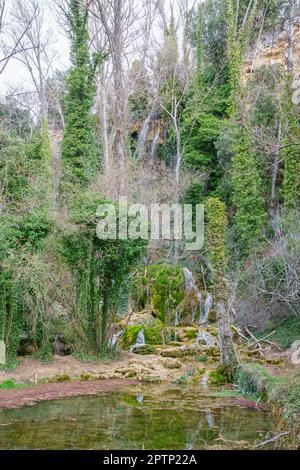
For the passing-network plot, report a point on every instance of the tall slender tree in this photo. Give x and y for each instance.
(250, 216)
(79, 149)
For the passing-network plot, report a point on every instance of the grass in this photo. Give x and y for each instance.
(286, 333)
(254, 379)
(233, 393)
(202, 358)
(11, 384)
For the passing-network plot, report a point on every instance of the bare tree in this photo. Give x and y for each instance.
(10, 45)
(126, 25)
(36, 52)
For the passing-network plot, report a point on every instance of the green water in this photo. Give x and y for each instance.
(148, 417)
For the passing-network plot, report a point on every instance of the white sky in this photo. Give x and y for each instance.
(15, 73)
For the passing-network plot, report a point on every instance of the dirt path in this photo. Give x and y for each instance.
(30, 396)
(128, 366)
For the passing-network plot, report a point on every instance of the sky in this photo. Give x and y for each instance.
(15, 73)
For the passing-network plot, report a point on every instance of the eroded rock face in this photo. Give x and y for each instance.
(272, 49)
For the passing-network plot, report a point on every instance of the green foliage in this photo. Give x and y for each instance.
(291, 172)
(285, 333)
(79, 150)
(99, 267)
(202, 358)
(160, 286)
(38, 152)
(255, 379)
(288, 396)
(250, 218)
(218, 376)
(11, 384)
(14, 168)
(216, 237)
(130, 335)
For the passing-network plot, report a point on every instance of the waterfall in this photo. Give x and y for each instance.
(140, 341)
(115, 339)
(140, 399)
(154, 145)
(190, 286)
(206, 310)
(208, 339)
(142, 140)
(210, 419)
(177, 321)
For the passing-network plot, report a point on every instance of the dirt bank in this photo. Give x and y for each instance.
(55, 391)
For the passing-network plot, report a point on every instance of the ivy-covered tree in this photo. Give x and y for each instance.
(216, 241)
(79, 150)
(250, 214)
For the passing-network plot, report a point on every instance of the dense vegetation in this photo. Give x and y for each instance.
(192, 128)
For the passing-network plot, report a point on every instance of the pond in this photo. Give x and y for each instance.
(141, 417)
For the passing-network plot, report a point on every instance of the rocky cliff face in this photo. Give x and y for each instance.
(271, 48)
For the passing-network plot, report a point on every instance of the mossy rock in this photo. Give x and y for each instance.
(169, 363)
(153, 379)
(129, 336)
(218, 376)
(187, 333)
(162, 288)
(153, 335)
(144, 350)
(141, 319)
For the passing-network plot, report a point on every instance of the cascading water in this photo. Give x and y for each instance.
(177, 321)
(190, 286)
(142, 140)
(206, 310)
(206, 337)
(140, 341)
(154, 145)
(115, 339)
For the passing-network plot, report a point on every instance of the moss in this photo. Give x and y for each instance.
(255, 379)
(60, 378)
(11, 384)
(218, 376)
(144, 350)
(162, 288)
(155, 335)
(202, 358)
(85, 377)
(191, 333)
(130, 335)
(286, 333)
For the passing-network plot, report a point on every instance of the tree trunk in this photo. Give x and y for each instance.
(224, 334)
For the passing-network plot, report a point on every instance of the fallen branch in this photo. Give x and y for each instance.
(258, 341)
(239, 332)
(272, 344)
(268, 441)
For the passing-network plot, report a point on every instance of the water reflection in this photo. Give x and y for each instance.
(152, 418)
